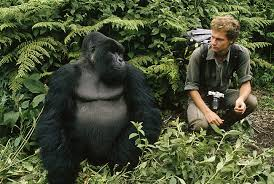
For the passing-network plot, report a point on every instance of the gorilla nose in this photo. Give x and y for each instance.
(121, 61)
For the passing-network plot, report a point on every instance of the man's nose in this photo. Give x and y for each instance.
(213, 41)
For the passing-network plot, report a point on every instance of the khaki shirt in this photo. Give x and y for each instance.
(214, 75)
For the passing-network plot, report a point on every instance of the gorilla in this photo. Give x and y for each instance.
(88, 112)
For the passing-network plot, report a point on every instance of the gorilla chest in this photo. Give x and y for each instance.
(100, 108)
(102, 113)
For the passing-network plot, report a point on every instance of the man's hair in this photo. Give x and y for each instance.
(228, 24)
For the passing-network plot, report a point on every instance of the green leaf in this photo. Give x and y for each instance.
(211, 159)
(172, 180)
(238, 143)
(155, 31)
(233, 132)
(133, 135)
(130, 54)
(28, 166)
(36, 100)
(17, 141)
(270, 178)
(142, 132)
(34, 86)
(143, 165)
(25, 104)
(220, 165)
(10, 118)
(181, 180)
(216, 129)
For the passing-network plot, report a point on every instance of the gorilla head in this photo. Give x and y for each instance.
(106, 55)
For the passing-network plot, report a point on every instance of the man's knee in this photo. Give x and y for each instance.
(196, 118)
(199, 124)
(251, 103)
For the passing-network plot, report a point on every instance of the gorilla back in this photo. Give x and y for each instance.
(88, 110)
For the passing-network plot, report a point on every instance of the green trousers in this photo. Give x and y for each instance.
(197, 120)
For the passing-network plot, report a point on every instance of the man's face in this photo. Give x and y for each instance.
(219, 41)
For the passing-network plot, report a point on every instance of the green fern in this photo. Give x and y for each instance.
(9, 14)
(141, 60)
(240, 8)
(27, 55)
(7, 59)
(5, 41)
(169, 68)
(255, 45)
(115, 21)
(176, 25)
(50, 25)
(263, 63)
(15, 84)
(256, 21)
(7, 25)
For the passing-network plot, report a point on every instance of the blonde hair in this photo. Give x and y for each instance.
(228, 24)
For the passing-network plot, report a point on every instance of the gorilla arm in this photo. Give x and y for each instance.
(142, 105)
(141, 109)
(55, 118)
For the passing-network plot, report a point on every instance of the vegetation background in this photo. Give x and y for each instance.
(39, 36)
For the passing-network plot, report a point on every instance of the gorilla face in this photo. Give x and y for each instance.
(109, 62)
(106, 55)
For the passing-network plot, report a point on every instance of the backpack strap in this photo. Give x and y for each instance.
(234, 55)
(203, 74)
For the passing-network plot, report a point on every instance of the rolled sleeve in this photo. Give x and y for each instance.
(193, 71)
(244, 70)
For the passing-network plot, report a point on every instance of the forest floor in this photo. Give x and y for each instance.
(262, 120)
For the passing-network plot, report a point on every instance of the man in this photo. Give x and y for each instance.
(210, 69)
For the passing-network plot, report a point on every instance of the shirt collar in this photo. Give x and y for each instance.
(211, 56)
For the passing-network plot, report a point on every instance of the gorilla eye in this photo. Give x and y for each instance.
(92, 49)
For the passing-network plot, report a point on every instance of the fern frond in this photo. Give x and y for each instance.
(235, 13)
(7, 59)
(6, 41)
(256, 45)
(15, 35)
(7, 25)
(176, 25)
(141, 60)
(115, 21)
(50, 25)
(168, 68)
(237, 8)
(29, 54)
(124, 23)
(263, 63)
(74, 55)
(10, 13)
(256, 21)
(16, 84)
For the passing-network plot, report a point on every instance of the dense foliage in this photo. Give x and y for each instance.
(38, 36)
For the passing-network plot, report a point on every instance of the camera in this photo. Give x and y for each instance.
(216, 97)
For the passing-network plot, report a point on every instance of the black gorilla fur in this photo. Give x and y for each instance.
(88, 110)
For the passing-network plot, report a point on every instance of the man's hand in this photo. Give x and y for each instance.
(213, 118)
(240, 106)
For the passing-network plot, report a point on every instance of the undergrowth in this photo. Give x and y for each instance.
(179, 156)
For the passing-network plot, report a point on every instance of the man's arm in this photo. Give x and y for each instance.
(210, 116)
(245, 90)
